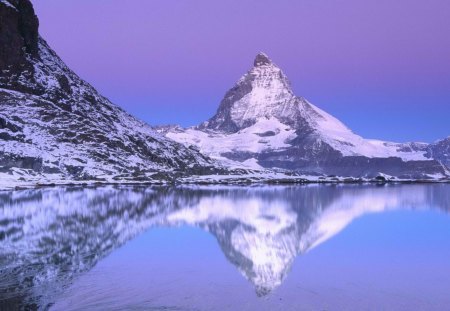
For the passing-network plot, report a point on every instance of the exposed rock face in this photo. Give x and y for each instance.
(19, 41)
(19, 33)
(54, 124)
(261, 123)
(440, 150)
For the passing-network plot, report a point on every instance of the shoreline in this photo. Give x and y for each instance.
(241, 181)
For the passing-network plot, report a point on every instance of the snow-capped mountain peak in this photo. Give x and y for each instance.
(261, 122)
(263, 92)
(262, 60)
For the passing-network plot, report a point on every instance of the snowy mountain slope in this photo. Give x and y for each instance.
(55, 126)
(262, 123)
(440, 150)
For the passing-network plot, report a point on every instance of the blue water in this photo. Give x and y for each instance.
(317, 247)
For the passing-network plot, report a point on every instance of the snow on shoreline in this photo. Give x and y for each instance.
(10, 183)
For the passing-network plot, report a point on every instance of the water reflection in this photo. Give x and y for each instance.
(50, 236)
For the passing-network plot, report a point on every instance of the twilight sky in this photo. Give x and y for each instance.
(380, 66)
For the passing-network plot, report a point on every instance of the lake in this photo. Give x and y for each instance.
(312, 247)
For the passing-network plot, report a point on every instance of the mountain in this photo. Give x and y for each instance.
(54, 126)
(261, 123)
(43, 249)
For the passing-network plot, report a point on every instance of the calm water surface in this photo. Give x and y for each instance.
(344, 247)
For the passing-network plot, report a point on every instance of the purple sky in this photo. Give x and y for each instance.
(381, 66)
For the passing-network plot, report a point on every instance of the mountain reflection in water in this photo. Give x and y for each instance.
(50, 236)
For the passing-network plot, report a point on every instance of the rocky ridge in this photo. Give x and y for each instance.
(55, 126)
(262, 124)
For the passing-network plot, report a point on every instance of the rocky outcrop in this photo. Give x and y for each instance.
(19, 41)
(18, 33)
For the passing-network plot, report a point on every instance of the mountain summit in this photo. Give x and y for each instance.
(262, 124)
(263, 92)
(262, 59)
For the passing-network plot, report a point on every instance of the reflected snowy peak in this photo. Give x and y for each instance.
(256, 235)
(262, 230)
(50, 236)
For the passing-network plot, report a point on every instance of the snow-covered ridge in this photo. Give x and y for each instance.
(264, 135)
(55, 127)
(67, 129)
(262, 122)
